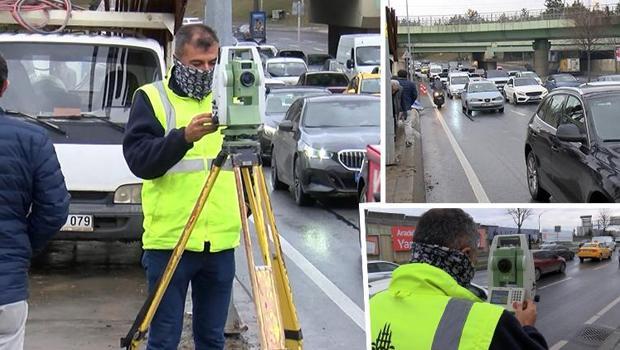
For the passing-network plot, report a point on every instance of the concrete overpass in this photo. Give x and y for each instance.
(494, 33)
(345, 17)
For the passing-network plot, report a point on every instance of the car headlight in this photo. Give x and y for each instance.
(521, 93)
(128, 194)
(269, 130)
(314, 153)
(477, 100)
(499, 98)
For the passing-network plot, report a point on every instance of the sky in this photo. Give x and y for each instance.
(451, 7)
(568, 218)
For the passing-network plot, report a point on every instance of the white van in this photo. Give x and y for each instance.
(434, 71)
(456, 83)
(358, 53)
(608, 241)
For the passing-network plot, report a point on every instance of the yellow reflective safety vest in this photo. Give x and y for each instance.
(168, 200)
(425, 309)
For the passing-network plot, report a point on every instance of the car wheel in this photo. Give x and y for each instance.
(537, 274)
(301, 198)
(562, 267)
(463, 109)
(501, 110)
(514, 99)
(276, 184)
(533, 180)
(581, 260)
(469, 111)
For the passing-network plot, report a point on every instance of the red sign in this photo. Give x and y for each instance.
(402, 237)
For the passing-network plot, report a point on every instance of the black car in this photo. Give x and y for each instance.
(561, 80)
(321, 143)
(559, 250)
(278, 100)
(572, 149)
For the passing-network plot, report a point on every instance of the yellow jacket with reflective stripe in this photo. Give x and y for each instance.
(410, 313)
(168, 200)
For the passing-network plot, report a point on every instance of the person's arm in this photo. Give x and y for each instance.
(148, 152)
(510, 335)
(50, 199)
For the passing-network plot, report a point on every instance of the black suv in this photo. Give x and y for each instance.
(572, 149)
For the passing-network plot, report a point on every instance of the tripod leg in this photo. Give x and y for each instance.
(263, 284)
(292, 328)
(257, 213)
(147, 312)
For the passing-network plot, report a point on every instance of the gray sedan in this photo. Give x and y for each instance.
(481, 95)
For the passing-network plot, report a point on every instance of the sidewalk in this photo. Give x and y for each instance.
(405, 179)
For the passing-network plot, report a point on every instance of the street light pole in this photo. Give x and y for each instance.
(300, 5)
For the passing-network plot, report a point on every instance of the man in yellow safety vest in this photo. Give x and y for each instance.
(170, 142)
(428, 304)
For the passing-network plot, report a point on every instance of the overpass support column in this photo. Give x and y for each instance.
(541, 57)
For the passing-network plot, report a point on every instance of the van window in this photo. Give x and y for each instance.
(368, 56)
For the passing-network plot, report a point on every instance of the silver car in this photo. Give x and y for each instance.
(481, 95)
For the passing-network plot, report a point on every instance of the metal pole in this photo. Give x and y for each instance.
(408, 40)
(300, 5)
(218, 15)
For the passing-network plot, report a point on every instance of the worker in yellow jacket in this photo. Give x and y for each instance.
(170, 142)
(428, 305)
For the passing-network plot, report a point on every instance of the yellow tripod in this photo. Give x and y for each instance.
(277, 318)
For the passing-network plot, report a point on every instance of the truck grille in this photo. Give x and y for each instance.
(536, 93)
(352, 159)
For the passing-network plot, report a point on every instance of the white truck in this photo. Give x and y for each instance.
(358, 53)
(79, 85)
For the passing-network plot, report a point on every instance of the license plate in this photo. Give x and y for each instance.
(81, 223)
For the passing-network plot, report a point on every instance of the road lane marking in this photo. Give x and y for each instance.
(554, 283)
(558, 345)
(603, 311)
(348, 306)
(600, 267)
(474, 182)
(519, 113)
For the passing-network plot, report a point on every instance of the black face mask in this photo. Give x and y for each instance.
(194, 82)
(453, 262)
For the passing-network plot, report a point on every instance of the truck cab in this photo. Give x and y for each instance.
(80, 88)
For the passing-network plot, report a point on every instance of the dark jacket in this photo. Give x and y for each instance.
(34, 202)
(509, 335)
(150, 154)
(409, 93)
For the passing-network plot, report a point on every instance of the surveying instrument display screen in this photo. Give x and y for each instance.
(510, 271)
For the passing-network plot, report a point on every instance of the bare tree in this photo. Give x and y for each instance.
(589, 26)
(519, 215)
(604, 220)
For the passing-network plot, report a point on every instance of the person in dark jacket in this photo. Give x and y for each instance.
(443, 257)
(34, 204)
(409, 92)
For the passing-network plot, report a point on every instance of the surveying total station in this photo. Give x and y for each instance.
(511, 271)
(239, 96)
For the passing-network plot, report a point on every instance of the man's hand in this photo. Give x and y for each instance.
(525, 312)
(199, 126)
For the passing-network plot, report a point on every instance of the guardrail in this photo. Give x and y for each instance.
(604, 10)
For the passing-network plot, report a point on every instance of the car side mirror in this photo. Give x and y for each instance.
(350, 64)
(286, 126)
(570, 133)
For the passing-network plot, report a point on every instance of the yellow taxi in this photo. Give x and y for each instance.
(594, 250)
(365, 83)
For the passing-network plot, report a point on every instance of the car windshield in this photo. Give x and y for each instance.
(368, 56)
(604, 112)
(482, 87)
(525, 81)
(591, 245)
(529, 74)
(566, 78)
(58, 80)
(328, 113)
(459, 80)
(286, 69)
(278, 102)
(327, 79)
(497, 74)
(370, 86)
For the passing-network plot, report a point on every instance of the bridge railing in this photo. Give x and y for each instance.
(506, 17)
